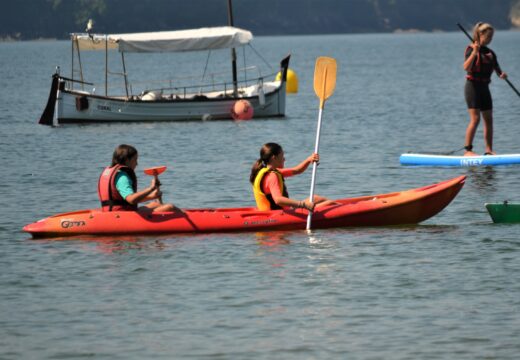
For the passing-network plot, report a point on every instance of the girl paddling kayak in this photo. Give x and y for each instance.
(268, 179)
(117, 186)
(480, 62)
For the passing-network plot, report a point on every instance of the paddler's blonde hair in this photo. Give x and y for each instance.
(479, 28)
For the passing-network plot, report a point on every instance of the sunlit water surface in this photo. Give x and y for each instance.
(445, 289)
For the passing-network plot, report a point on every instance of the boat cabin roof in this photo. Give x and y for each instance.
(208, 38)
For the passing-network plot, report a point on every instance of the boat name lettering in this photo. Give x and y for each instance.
(104, 107)
(471, 162)
(66, 224)
(260, 222)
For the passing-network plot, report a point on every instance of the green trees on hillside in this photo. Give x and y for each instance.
(29, 19)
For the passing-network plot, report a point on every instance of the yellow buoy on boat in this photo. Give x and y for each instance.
(292, 81)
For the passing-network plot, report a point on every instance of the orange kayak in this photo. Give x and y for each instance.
(397, 208)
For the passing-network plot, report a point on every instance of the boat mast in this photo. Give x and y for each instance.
(106, 65)
(233, 52)
(75, 43)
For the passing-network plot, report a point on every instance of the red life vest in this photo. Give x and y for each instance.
(482, 67)
(110, 198)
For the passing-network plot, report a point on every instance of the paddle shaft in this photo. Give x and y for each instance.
(471, 39)
(314, 167)
(324, 83)
(155, 171)
(451, 152)
(158, 187)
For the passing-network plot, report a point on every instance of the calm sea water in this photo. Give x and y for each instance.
(445, 289)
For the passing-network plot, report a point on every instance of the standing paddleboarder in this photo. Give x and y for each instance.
(480, 62)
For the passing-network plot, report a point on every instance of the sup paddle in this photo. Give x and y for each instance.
(156, 171)
(324, 84)
(471, 39)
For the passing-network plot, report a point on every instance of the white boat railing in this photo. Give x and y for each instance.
(166, 89)
(210, 79)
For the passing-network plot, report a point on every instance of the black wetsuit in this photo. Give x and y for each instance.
(476, 90)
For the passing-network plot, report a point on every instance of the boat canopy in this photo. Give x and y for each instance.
(208, 38)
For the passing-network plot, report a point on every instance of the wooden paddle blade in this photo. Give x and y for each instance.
(153, 171)
(324, 77)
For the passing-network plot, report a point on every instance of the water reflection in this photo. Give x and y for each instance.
(113, 244)
(272, 239)
(483, 178)
(314, 239)
(128, 244)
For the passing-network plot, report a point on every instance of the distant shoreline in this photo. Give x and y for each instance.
(10, 39)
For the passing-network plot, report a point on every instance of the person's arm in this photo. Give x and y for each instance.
(273, 184)
(124, 186)
(497, 68)
(502, 75)
(301, 167)
(149, 193)
(472, 56)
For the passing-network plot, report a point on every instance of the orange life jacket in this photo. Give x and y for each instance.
(110, 198)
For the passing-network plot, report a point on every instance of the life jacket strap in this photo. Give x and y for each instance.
(112, 203)
(479, 79)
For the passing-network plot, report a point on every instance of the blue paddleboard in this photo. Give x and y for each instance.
(453, 160)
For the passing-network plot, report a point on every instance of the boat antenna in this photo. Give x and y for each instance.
(260, 56)
(233, 52)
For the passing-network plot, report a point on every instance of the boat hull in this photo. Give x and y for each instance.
(449, 160)
(107, 109)
(504, 212)
(69, 105)
(398, 208)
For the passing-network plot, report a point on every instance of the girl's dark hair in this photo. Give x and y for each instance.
(122, 154)
(266, 152)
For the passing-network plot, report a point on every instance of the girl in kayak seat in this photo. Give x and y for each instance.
(480, 62)
(268, 179)
(117, 186)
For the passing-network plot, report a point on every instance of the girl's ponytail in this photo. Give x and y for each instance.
(258, 164)
(267, 151)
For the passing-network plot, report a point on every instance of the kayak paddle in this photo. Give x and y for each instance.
(156, 171)
(324, 84)
(471, 39)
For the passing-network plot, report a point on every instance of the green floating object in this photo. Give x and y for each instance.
(505, 212)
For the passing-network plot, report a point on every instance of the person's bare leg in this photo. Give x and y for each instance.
(488, 130)
(323, 201)
(474, 119)
(155, 206)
